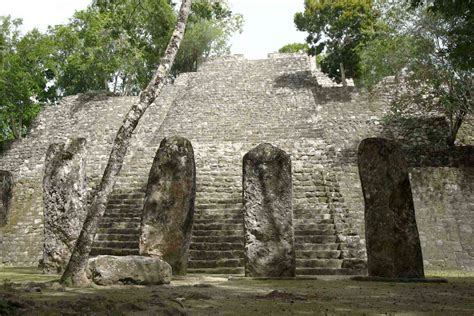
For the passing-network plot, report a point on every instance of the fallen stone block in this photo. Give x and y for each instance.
(108, 270)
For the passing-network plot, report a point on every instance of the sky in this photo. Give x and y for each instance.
(268, 23)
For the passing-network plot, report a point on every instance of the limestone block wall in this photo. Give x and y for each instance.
(225, 109)
(94, 117)
(444, 204)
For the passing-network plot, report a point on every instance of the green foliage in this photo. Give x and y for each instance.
(294, 48)
(337, 28)
(117, 45)
(25, 69)
(211, 24)
(458, 17)
(414, 49)
(112, 45)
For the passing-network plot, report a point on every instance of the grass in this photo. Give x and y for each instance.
(25, 292)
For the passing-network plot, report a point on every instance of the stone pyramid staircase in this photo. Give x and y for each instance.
(318, 248)
(119, 229)
(217, 243)
(218, 239)
(226, 109)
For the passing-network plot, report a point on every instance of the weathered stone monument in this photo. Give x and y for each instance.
(108, 270)
(169, 204)
(6, 183)
(65, 196)
(393, 243)
(225, 109)
(268, 213)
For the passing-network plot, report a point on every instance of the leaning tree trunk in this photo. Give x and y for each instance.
(75, 273)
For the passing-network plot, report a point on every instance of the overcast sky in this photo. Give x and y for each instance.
(268, 23)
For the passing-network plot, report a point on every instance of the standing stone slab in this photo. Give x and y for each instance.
(6, 185)
(393, 243)
(169, 204)
(268, 213)
(65, 197)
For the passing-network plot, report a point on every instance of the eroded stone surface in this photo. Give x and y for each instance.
(6, 184)
(108, 270)
(64, 196)
(393, 243)
(169, 204)
(268, 213)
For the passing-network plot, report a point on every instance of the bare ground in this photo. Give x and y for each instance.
(25, 292)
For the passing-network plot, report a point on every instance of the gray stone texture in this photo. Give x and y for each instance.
(268, 213)
(225, 109)
(65, 197)
(168, 211)
(109, 270)
(393, 243)
(6, 184)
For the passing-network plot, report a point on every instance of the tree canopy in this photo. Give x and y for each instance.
(415, 47)
(294, 48)
(337, 28)
(458, 17)
(112, 45)
(25, 73)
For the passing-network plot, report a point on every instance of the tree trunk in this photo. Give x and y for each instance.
(454, 127)
(75, 270)
(343, 75)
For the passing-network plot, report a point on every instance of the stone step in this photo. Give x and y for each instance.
(219, 212)
(126, 196)
(123, 214)
(214, 226)
(220, 217)
(302, 226)
(324, 271)
(311, 201)
(216, 246)
(315, 217)
(301, 193)
(118, 225)
(122, 204)
(316, 247)
(315, 211)
(207, 221)
(236, 270)
(96, 251)
(219, 232)
(123, 231)
(215, 255)
(116, 244)
(219, 206)
(316, 239)
(328, 232)
(318, 254)
(311, 206)
(117, 237)
(220, 263)
(307, 221)
(125, 219)
(319, 263)
(112, 203)
(123, 207)
(214, 239)
(219, 202)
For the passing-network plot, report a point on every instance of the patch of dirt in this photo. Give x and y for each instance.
(213, 295)
(273, 295)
